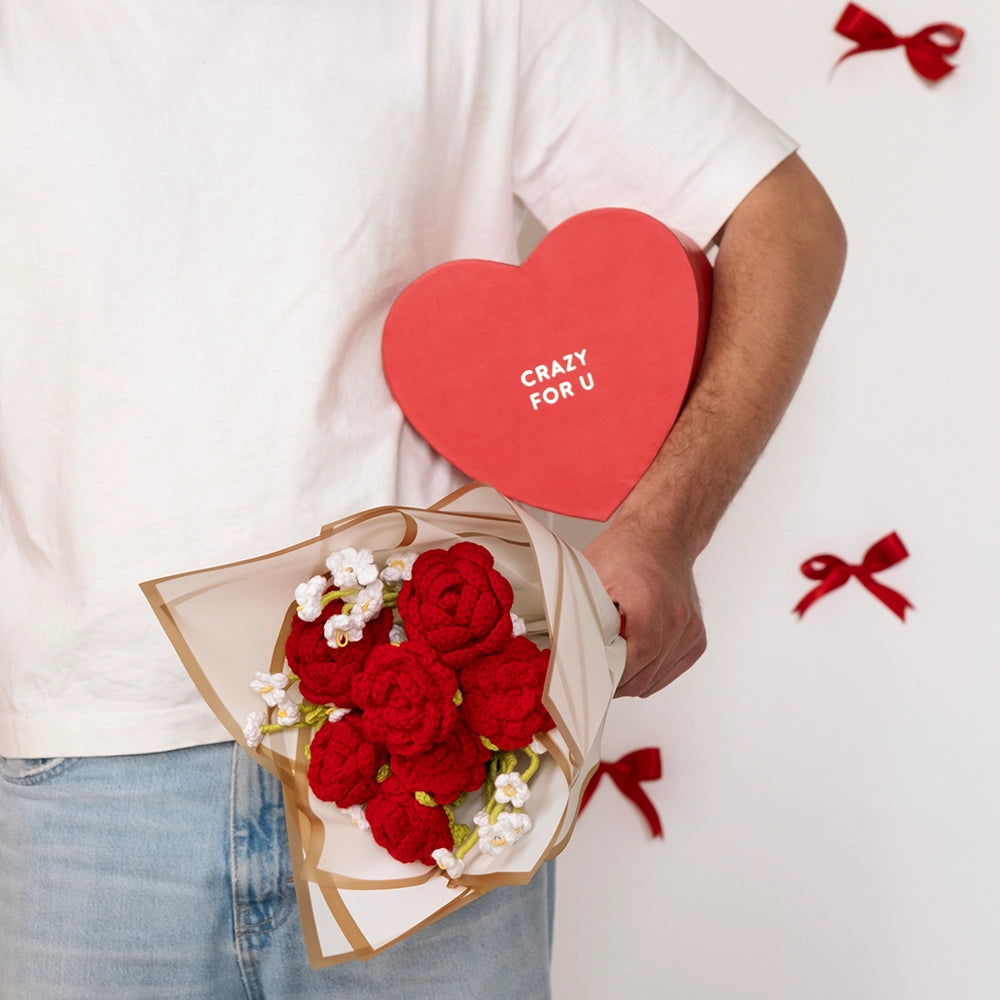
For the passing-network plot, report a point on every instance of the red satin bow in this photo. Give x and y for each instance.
(834, 572)
(926, 54)
(627, 773)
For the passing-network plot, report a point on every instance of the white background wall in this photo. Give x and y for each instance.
(830, 794)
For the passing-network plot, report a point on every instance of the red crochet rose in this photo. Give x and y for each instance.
(306, 641)
(325, 671)
(502, 694)
(406, 697)
(457, 602)
(343, 763)
(457, 764)
(408, 830)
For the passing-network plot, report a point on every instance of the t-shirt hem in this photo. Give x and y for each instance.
(137, 737)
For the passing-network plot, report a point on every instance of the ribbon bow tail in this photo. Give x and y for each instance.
(866, 30)
(884, 553)
(927, 56)
(627, 773)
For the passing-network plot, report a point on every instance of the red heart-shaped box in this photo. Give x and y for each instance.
(557, 381)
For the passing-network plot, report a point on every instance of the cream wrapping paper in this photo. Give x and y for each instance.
(228, 622)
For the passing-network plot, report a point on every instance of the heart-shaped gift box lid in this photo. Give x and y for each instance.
(557, 381)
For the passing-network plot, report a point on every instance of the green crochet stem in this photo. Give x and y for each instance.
(310, 717)
(502, 762)
(471, 839)
(459, 831)
(390, 595)
(534, 760)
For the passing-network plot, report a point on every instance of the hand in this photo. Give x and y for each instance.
(655, 591)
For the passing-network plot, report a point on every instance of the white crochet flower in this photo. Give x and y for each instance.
(366, 606)
(369, 602)
(517, 624)
(341, 629)
(352, 567)
(511, 788)
(484, 830)
(447, 861)
(397, 634)
(398, 566)
(309, 598)
(491, 840)
(509, 828)
(357, 814)
(287, 713)
(273, 688)
(251, 731)
(514, 824)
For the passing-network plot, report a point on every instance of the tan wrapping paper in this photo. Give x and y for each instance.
(228, 622)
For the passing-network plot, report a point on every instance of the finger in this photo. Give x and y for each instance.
(665, 669)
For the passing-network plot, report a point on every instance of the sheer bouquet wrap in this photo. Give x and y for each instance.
(367, 871)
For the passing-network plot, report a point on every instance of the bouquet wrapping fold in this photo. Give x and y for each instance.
(229, 622)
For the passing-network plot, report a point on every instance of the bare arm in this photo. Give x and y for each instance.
(780, 259)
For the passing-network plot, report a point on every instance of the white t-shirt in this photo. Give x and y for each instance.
(205, 212)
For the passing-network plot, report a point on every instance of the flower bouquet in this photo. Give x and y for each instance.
(413, 678)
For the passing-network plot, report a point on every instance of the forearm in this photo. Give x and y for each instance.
(779, 263)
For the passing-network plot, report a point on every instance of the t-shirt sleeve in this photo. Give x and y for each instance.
(614, 109)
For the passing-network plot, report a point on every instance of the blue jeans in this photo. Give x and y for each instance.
(167, 877)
